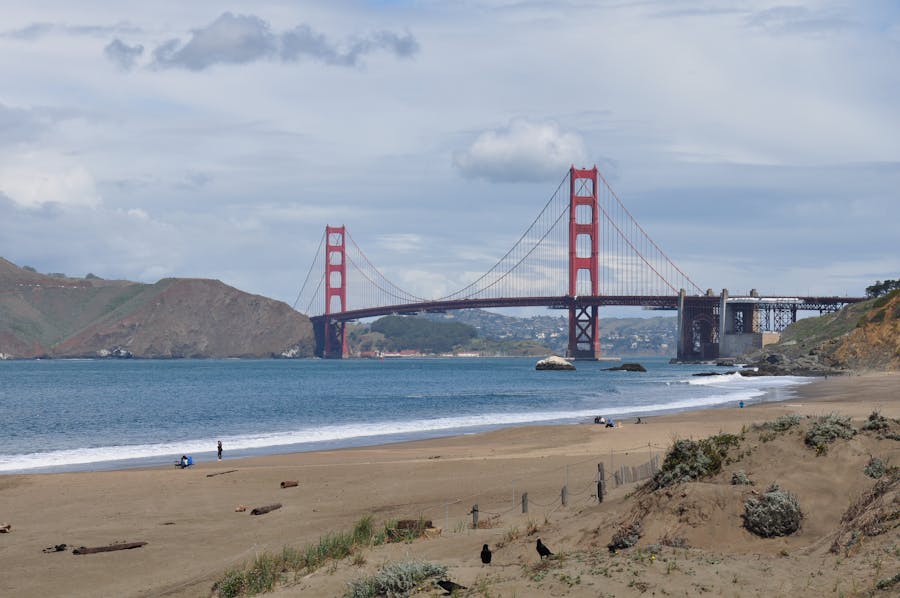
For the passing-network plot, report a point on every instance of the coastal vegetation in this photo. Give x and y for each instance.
(268, 569)
(689, 460)
(775, 513)
(395, 579)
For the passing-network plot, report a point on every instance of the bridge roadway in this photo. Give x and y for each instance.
(820, 304)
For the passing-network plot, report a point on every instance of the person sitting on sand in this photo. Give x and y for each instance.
(610, 423)
(184, 461)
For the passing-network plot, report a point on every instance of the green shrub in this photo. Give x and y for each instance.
(689, 460)
(625, 537)
(888, 583)
(875, 468)
(826, 429)
(395, 579)
(739, 478)
(876, 423)
(781, 424)
(231, 584)
(775, 513)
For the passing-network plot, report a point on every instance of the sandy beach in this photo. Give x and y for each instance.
(193, 533)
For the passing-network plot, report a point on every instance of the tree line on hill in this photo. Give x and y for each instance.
(882, 288)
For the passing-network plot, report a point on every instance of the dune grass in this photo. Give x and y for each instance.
(268, 569)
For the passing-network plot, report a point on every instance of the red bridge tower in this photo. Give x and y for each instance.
(335, 291)
(584, 263)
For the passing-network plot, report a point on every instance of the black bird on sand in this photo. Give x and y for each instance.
(486, 555)
(543, 550)
(449, 586)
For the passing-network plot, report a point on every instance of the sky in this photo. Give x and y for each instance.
(757, 142)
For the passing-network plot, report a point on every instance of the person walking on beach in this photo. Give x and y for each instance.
(219, 450)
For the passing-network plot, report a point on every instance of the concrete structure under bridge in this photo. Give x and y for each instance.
(749, 322)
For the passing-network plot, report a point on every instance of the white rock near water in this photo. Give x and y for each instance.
(554, 363)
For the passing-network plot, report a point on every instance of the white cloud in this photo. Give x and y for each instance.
(34, 179)
(401, 242)
(523, 151)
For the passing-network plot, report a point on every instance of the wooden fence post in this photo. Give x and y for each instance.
(601, 483)
(474, 516)
(524, 502)
(564, 496)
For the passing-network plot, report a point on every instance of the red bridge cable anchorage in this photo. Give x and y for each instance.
(380, 274)
(516, 244)
(309, 272)
(663, 253)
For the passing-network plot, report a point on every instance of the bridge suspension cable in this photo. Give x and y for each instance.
(630, 263)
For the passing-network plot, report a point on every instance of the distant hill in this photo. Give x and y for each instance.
(862, 336)
(59, 316)
(618, 336)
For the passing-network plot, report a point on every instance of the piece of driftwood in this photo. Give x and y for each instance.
(265, 509)
(240, 508)
(289, 483)
(418, 524)
(209, 475)
(109, 548)
(5, 528)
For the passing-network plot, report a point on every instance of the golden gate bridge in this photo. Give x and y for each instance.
(583, 251)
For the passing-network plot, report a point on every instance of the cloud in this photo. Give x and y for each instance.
(523, 151)
(302, 42)
(230, 39)
(241, 39)
(18, 125)
(123, 55)
(38, 30)
(785, 20)
(33, 180)
(401, 242)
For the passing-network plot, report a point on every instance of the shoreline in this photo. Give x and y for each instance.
(167, 459)
(194, 535)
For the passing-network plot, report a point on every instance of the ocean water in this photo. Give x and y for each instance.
(64, 415)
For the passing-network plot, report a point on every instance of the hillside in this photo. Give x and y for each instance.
(59, 316)
(862, 336)
(428, 336)
(618, 336)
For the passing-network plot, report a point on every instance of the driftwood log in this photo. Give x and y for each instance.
(109, 548)
(5, 528)
(265, 509)
(289, 483)
(209, 475)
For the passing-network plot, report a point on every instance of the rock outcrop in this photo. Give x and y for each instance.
(554, 363)
(627, 367)
(863, 336)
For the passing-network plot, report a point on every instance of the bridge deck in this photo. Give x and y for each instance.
(564, 302)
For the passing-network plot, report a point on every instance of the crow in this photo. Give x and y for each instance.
(543, 550)
(449, 586)
(486, 555)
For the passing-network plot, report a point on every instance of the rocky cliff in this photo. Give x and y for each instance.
(58, 316)
(863, 336)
